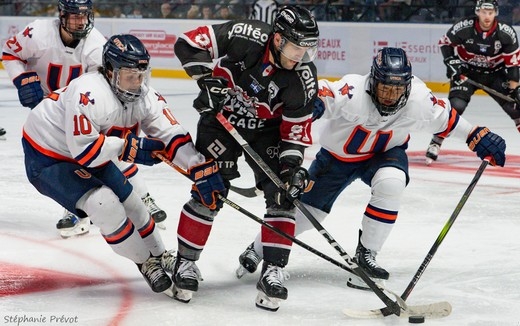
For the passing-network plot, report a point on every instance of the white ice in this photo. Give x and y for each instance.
(476, 268)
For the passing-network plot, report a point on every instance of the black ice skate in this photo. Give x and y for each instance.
(366, 259)
(248, 260)
(154, 274)
(186, 277)
(270, 287)
(432, 153)
(70, 225)
(155, 212)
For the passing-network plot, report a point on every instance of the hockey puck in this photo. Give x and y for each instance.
(416, 319)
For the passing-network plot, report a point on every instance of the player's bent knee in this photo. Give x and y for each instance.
(103, 208)
(388, 182)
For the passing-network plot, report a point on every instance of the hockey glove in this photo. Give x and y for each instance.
(515, 94)
(485, 144)
(140, 149)
(212, 96)
(295, 179)
(454, 68)
(319, 109)
(207, 184)
(29, 88)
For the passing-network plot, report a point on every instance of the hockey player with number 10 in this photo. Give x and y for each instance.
(368, 121)
(73, 137)
(47, 55)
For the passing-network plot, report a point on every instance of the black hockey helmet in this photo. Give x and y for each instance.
(486, 4)
(126, 53)
(76, 7)
(297, 25)
(390, 80)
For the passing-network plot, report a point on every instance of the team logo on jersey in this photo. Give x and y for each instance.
(273, 90)
(498, 46)
(216, 148)
(160, 97)
(84, 99)
(345, 90)
(28, 32)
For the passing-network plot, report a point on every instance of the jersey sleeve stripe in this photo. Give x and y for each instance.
(452, 123)
(91, 152)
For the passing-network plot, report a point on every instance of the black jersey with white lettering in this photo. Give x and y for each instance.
(483, 51)
(261, 94)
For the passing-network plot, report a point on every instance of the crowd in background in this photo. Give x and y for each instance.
(414, 11)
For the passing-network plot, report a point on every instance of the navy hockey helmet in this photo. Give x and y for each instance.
(390, 80)
(297, 25)
(486, 4)
(127, 58)
(76, 7)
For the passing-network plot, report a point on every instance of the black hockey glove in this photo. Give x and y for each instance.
(140, 149)
(515, 94)
(454, 68)
(295, 179)
(212, 96)
(487, 144)
(29, 88)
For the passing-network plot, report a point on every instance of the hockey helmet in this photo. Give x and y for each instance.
(127, 58)
(67, 8)
(299, 31)
(486, 4)
(390, 80)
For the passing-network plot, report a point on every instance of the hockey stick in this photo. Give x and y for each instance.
(359, 271)
(246, 192)
(259, 220)
(406, 293)
(431, 310)
(487, 89)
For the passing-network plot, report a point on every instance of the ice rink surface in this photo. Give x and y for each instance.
(51, 281)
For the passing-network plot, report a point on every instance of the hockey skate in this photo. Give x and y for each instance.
(157, 214)
(432, 152)
(186, 277)
(248, 261)
(2, 134)
(70, 225)
(155, 275)
(270, 287)
(366, 259)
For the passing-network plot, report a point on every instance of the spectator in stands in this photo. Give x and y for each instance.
(166, 10)
(207, 12)
(136, 12)
(118, 12)
(225, 13)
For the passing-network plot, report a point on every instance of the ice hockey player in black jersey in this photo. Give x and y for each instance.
(264, 83)
(486, 51)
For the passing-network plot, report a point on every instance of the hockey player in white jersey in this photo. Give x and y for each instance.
(46, 56)
(72, 138)
(369, 119)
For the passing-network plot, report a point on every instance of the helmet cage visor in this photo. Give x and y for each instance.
(297, 53)
(78, 23)
(130, 84)
(390, 98)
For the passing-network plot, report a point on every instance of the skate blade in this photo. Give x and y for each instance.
(181, 295)
(267, 303)
(241, 271)
(161, 225)
(429, 161)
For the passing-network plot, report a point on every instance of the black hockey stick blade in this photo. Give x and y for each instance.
(246, 192)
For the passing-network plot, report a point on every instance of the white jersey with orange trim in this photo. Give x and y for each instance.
(356, 130)
(39, 48)
(84, 122)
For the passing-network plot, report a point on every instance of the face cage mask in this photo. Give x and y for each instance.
(398, 102)
(78, 34)
(129, 95)
(297, 53)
